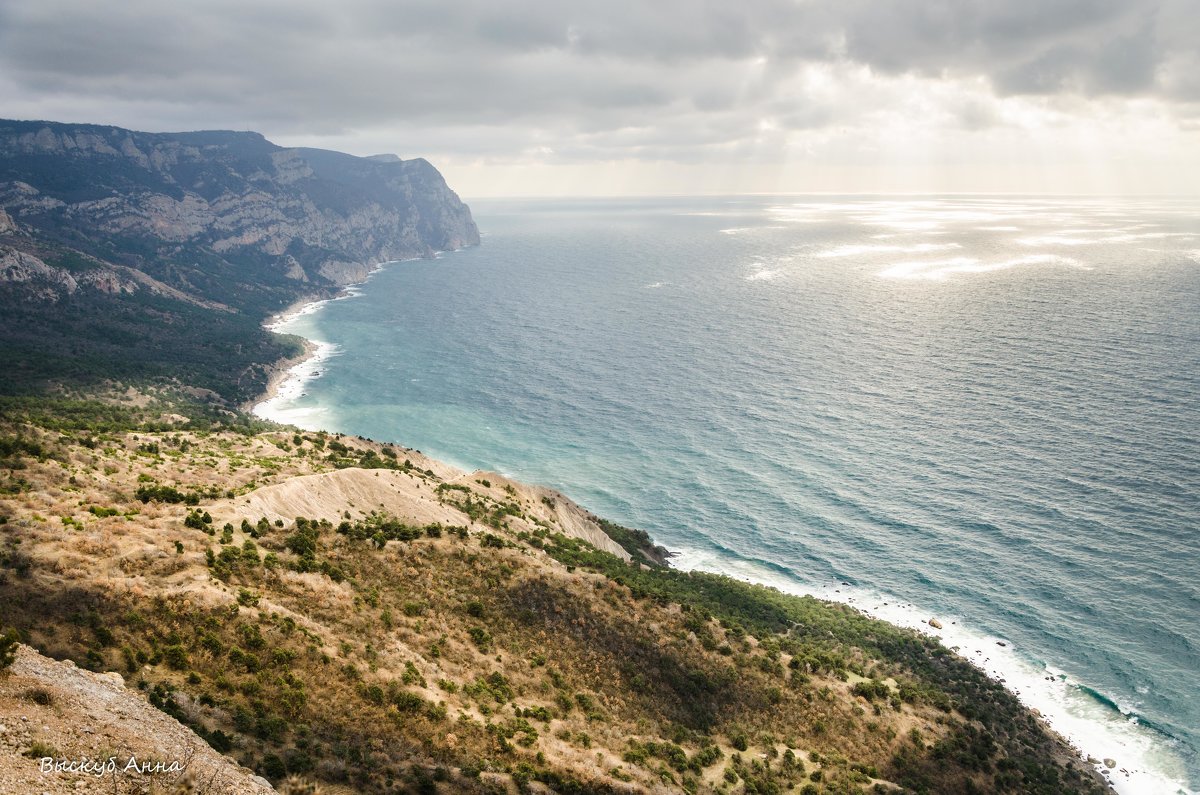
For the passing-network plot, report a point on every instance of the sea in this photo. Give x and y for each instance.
(983, 410)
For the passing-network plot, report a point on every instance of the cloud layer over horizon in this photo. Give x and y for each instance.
(766, 93)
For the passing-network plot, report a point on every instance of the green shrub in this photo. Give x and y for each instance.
(8, 647)
(176, 656)
(407, 702)
(159, 493)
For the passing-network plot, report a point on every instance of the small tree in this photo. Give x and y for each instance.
(8, 647)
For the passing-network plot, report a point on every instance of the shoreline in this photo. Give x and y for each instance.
(285, 371)
(280, 371)
(1065, 708)
(278, 375)
(1122, 779)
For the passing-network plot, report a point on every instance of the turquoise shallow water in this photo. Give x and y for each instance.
(984, 409)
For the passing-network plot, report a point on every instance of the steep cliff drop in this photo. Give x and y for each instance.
(159, 254)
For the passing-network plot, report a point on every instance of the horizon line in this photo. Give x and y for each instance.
(786, 194)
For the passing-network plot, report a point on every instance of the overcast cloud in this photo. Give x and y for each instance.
(821, 90)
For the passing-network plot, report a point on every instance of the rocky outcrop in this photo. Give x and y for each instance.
(60, 726)
(50, 282)
(17, 267)
(344, 272)
(204, 212)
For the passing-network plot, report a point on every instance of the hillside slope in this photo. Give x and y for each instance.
(427, 630)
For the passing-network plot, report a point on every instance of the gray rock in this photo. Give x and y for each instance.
(212, 202)
(17, 266)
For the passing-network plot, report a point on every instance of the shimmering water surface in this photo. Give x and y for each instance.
(981, 409)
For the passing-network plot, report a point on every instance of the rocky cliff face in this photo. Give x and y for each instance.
(129, 255)
(217, 215)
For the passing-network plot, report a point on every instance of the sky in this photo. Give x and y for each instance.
(627, 97)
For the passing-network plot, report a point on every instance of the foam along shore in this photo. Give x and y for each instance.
(1144, 761)
(288, 379)
(287, 384)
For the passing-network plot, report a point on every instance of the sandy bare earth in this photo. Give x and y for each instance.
(330, 495)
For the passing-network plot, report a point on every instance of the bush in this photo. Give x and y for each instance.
(8, 647)
(407, 702)
(165, 494)
(176, 656)
(872, 689)
(40, 696)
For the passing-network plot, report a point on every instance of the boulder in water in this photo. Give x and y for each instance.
(933, 622)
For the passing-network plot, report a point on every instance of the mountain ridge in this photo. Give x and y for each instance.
(125, 232)
(234, 195)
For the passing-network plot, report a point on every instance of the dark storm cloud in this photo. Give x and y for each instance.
(702, 70)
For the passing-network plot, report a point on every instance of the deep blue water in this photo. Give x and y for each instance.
(983, 409)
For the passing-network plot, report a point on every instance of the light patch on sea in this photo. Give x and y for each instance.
(900, 222)
(859, 250)
(764, 275)
(1129, 237)
(943, 268)
(1056, 240)
(737, 230)
(1144, 765)
(808, 213)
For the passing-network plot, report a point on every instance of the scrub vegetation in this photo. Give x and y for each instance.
(485, 651)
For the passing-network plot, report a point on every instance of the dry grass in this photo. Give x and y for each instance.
(451, 663)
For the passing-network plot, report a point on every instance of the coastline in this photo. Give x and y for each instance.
(278, 374)
(297, 371)
(282, 370)
(286, 375)
(1088, 733)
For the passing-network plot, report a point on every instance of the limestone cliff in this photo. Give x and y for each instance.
(217, 215)
(152, 256)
